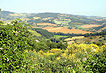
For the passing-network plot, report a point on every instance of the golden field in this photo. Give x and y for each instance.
(65, 30)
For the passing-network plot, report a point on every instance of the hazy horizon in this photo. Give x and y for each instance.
(75, 7)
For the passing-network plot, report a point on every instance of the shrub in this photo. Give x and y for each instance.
(96, 63)
(14, 39)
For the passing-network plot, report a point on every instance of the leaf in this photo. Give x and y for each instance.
(74, 71)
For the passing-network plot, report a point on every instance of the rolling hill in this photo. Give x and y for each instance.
(83, 23)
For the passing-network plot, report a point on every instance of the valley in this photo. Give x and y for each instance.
(52, 43)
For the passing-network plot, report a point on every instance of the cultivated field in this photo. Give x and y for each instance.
(73, 38)
(62, 22)
(46, 24)
(36, 18)
(59, 36)
(65, 30)
(90, 26)
(70, 42)
(15, 14)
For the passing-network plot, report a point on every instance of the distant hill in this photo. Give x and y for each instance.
(46, 15)
(6, 12)
(59, 20)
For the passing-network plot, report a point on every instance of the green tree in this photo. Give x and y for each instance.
(13, 40)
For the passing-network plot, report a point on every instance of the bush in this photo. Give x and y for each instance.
(14, 39)
(96, 63)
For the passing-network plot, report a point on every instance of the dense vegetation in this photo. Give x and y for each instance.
(19, 52)
(45, 33)
(98, 28)
(86, 35)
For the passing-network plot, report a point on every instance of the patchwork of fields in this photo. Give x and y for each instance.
(65, 30)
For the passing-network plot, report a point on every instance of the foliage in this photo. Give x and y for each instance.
(100, 27)
(13, 41)
(43, 32)
(96, 63)
(74, 59)
(19, 52)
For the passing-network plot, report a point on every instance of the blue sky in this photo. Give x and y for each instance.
(76, 7)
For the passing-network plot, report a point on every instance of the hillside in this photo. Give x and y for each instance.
(86, 23)
(20, 52)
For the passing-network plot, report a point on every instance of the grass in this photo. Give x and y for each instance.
(59, 36)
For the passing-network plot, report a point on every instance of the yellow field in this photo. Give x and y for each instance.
(90, 26)
(47, 18)
(15, 14)
(36, 18)
(67, 19)
(70, 42)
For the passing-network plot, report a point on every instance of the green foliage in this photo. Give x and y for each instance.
(1, 22)
(43, 32)
(96, 63)
(19, 52)
(104, 38)
(100, 27)
(53, 44)
(14, 40)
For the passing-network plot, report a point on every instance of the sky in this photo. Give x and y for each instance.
(76, 7)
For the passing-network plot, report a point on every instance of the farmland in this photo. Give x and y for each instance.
(73, 38)
(58, 36)
(90, 26)
(65, 30)
(70, 42)
(15, 14)
(65, 22)
(20, 52)
(36, 18)
(49, 24)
